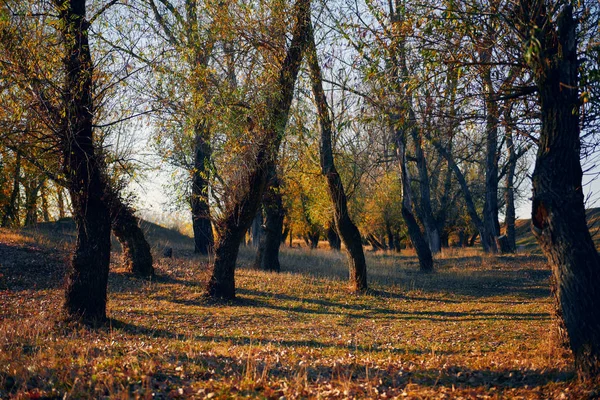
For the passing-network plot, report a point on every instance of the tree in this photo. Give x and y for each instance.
(558, 211)
(86, 293)
(346, 228)
(270, 129)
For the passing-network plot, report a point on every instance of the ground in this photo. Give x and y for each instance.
(480, 327)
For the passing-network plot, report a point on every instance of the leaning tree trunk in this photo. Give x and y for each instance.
(488, 239)
(558, 212)
(267, 257)
(86, 292)
(238, 219)
(414, 232)
(345, 226)
(137, 257)
(425, 210)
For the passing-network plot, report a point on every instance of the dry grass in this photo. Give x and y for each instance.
(480, 327)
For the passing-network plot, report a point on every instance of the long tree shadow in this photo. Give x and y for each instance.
(328, 307)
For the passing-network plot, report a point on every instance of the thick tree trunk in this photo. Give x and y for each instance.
(268, 252)
(11, 212)
(345, 226)
(86, 293)
(201, 221)
(558, 212)
(136, 256)
(238, 219)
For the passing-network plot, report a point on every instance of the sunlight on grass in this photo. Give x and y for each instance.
(480, 326)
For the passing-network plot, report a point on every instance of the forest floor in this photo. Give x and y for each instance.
(480, 327)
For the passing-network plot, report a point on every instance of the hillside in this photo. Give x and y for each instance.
(526, 239)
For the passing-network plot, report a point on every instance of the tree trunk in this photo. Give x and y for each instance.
(335, 242)
(45, 205)
(390, 236)
(11, 212)
(424, 209)
(558, 211)
(32, 189)
(345, 226)
(376, 244)
(268, 252)
(256, 229)
(60, 200)
(510, 179)
(201, 221)
(490, 206)
(488, 239)
(86, 294)
(239, 217)
(414, 232)
(136, 256)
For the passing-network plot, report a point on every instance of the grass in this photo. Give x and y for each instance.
(480, 327)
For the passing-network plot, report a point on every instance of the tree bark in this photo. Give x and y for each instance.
(333, 238)
(233, 226)
(86, 294)
(345, 226)
(268, 251)
(558, 212)
(136, 254)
